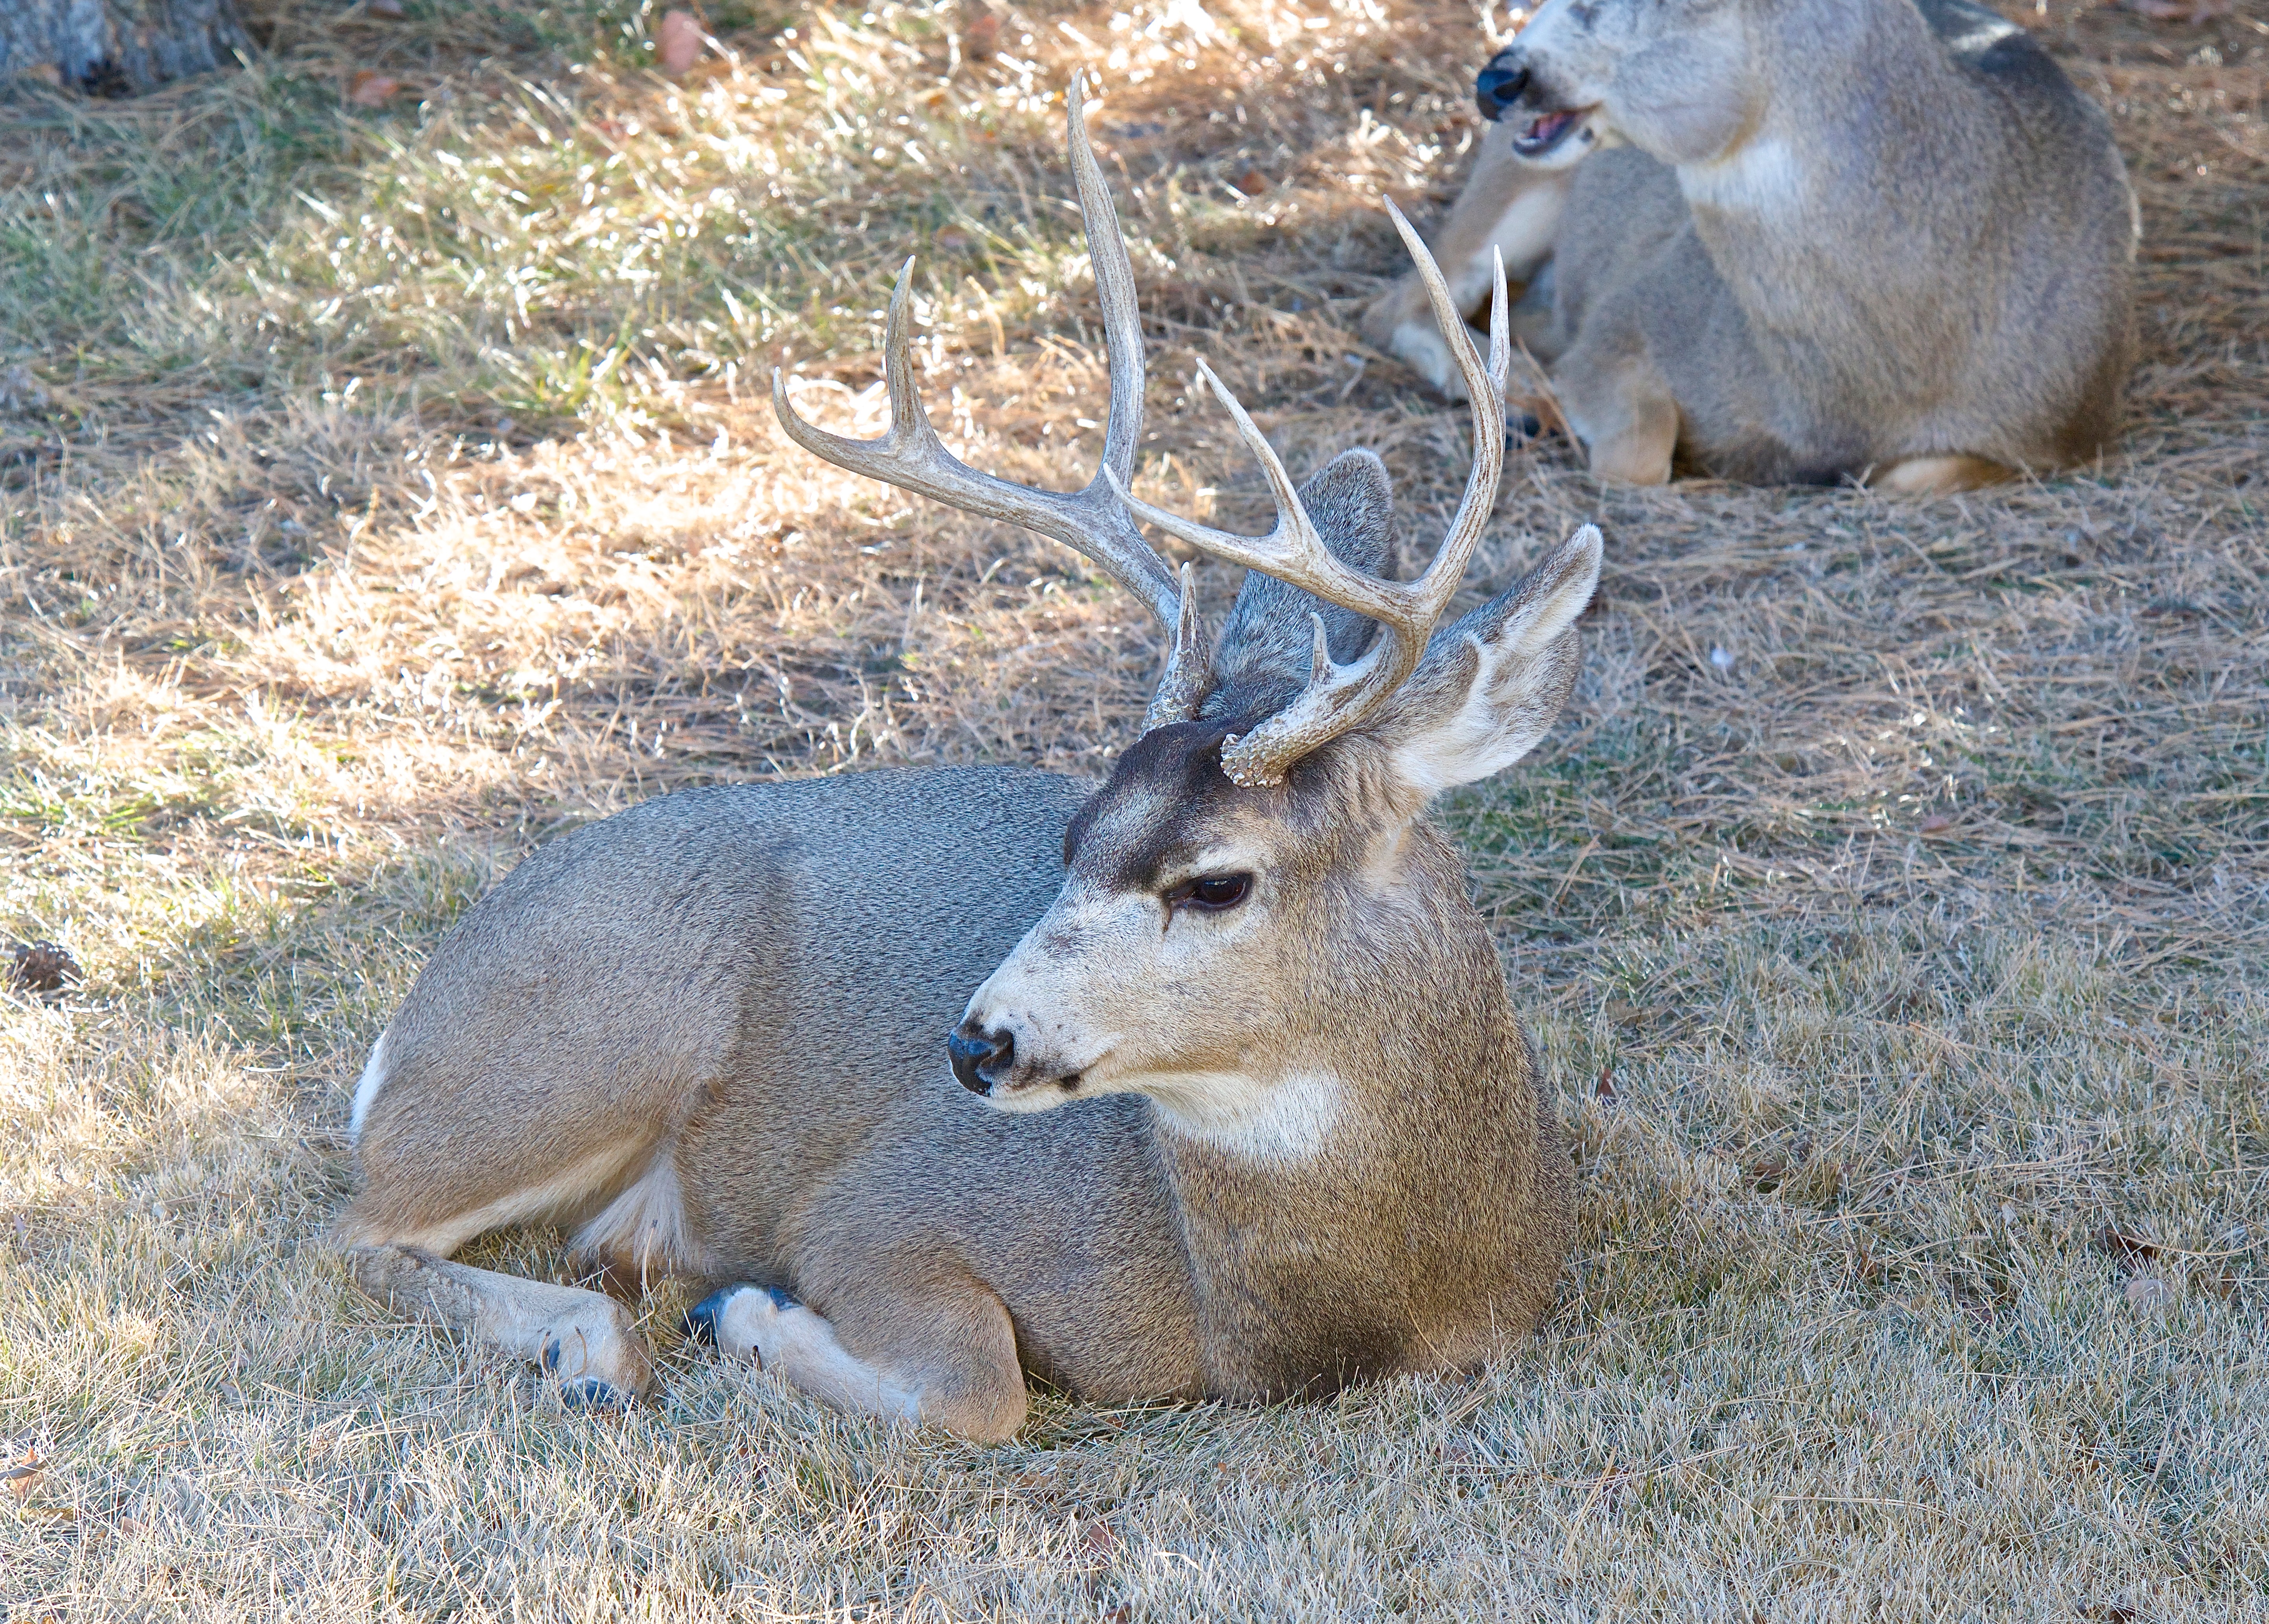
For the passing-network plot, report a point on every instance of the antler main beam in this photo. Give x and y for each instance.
(1341, 697)
(1091, 520)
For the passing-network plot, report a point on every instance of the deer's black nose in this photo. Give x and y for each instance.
(977, 1053)
(1498, 87)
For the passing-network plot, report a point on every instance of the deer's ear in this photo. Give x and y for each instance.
(1491, 685)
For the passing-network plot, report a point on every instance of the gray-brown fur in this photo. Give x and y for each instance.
(1806, 241)
(745, 982)
(1211, 1158)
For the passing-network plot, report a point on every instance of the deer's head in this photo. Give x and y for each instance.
(1258, 859)
(1674, 78)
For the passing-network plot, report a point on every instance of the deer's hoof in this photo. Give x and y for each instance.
(590, 1393)
(701, 1320)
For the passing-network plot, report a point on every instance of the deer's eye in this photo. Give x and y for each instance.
(1211, 892)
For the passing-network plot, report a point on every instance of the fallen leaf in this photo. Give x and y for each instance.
(1251, 183)
(1607, 1088)
(367, 89)
(677, 42)
(24, 1477)
(1936, 823)
(2145, 1292)
(983, 39)
(391, 10)
(2127, 1248)
(1099, 1540)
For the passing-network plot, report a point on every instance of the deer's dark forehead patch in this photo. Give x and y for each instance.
(1166, 795)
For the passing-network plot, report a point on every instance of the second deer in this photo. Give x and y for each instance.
(1238, 1106)
(1798, 242)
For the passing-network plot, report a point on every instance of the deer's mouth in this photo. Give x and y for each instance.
(1546, 131)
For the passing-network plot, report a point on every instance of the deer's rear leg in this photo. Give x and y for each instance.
(584, 1338)
(1620, 407)
(958, 1371)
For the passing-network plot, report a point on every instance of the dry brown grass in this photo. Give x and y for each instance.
(383, 490)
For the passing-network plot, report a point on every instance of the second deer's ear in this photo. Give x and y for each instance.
(1491, 685)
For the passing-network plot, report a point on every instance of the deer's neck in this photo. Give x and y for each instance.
(1861, 132)
(1338, 1223)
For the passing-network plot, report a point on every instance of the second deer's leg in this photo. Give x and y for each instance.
(1620, 407)
(1509, 206)
(1943, 475)
(584, 1338)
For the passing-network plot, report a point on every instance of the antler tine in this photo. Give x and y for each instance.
(1091, 520)
(1340, 697)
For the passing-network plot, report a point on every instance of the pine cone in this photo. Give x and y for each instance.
(42, 967)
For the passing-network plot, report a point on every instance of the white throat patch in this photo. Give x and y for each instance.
(1764, 177)
(1291, 1120)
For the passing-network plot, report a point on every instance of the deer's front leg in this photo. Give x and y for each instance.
(1508, 205)
(967, 1378)
(581, 1337)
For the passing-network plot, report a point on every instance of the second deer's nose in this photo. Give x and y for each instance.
(1498, 87)
(976, 1054)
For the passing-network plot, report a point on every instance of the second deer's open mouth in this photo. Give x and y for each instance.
(1546, 132)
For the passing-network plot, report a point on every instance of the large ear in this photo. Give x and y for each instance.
(1268, 644)
(1490, 685)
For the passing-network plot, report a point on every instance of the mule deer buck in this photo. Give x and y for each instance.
(1239, 1105)
(1798, 242)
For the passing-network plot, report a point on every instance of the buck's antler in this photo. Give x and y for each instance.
(1340, 697)
(1090, 521)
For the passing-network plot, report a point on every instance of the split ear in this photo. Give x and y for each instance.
(1491, 685)
(1268, 644)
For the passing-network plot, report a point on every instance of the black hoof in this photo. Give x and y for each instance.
(701, 1319)
(550, 1360)
(590, 1393)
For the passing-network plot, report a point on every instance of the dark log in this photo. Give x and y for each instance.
(118, 47)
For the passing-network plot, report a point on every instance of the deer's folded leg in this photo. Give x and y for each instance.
(584, 1338)
(1624, 412)
(967, 1380)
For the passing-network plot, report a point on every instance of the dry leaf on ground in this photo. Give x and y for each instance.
(367, 89)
